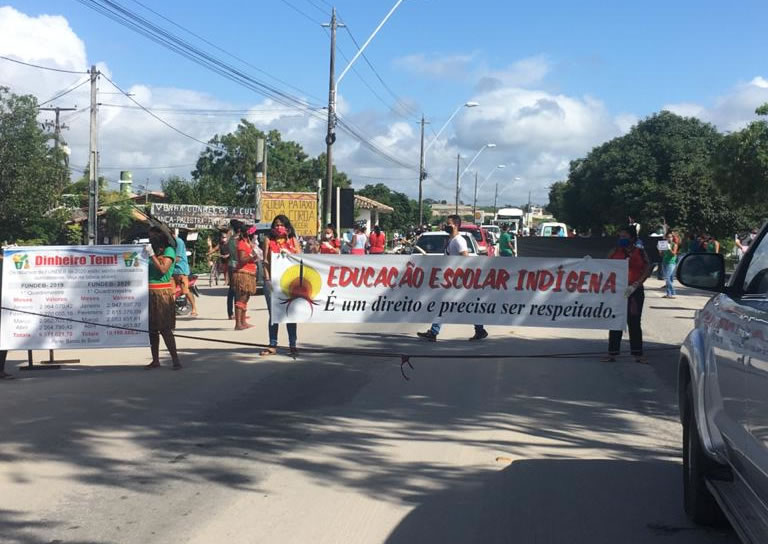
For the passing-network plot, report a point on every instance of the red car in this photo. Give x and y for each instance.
(485, 247)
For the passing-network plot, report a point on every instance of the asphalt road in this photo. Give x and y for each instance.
(329, 449)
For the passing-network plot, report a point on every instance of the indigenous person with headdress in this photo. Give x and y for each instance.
(244, 277)
(162, 307)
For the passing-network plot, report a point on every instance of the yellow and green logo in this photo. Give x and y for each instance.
(20, 261)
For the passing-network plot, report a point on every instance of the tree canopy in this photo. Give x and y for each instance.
(225, 173)
(406, 214)
(661, 172)
(31, 179)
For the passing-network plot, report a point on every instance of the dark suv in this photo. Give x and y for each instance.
(723, 393)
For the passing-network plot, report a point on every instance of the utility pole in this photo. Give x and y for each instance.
(458, 177)
(330, 136)
(57, 127)
(93, 165)
(495, 198)
(422, 174)
(474, 202)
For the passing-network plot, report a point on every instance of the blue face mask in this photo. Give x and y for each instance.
(624, 242)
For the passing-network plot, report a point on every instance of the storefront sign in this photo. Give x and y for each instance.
(97, 284)
(300, 208)
(188, 216)
(569, 293)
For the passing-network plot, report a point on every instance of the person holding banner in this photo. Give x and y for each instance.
(244, 277)
(280, 241)
(639, 271)
(359, 242)
(457, 245)
(162, 307)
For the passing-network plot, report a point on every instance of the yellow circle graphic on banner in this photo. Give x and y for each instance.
(301, 281)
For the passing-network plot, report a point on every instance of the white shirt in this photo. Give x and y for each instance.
(456, 246)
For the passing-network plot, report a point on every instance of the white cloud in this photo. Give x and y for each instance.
(439, 66)
(523, 73)
(731, 111)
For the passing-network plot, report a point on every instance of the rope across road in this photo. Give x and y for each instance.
(405, 358)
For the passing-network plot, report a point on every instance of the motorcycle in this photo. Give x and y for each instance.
(182, 303)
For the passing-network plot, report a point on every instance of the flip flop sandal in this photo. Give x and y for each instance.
(608, 359)
(267, 352)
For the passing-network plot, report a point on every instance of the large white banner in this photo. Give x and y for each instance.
(572, 293)
(98, 284)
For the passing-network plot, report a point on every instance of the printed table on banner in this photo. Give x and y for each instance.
(567, 293)
(97, 284)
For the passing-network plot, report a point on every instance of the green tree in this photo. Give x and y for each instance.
(30, 171)
(660, 172)
(119, 217)
(741, 165)
(225, 173)
(406, 209)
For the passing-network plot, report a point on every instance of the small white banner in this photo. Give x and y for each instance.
(98, 284)
(568, 293)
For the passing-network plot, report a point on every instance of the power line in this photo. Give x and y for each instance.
(163, 121)
(161, 36)
(368, 143)
(42, 67)
(203, 112)
(228, 53)
(318, 8)
(70, 89)
(300, 12)
(406, 108)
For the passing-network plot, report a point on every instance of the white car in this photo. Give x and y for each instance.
(434, 243)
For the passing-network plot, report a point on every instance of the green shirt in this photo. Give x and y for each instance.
(505, 240)
(667, 257)
(155, 276)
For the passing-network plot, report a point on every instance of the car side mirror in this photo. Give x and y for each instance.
(705, 271)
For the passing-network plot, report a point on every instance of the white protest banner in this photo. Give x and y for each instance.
(573, 293)
(98, 284)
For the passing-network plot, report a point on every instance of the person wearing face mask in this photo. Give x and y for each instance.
(457, 245)
(280, 240)
(244, 276)
(162, 306)
(377, 241)
(639, 271)
(330, 245)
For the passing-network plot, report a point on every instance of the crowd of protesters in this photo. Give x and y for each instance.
(243, 255)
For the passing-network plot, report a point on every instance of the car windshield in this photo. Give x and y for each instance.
(433, 244)
(476, 234)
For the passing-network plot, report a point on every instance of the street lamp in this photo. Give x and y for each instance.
(492, 172)
(448, 122)
(459, 176)
(422, 157)
(330, 137)
(496, 194)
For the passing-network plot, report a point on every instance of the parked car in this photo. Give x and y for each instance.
(553, 229)
(483, 243)
(434, 243)
(723, 393)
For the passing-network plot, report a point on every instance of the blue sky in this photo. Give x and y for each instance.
(635, 58)
(631, 59)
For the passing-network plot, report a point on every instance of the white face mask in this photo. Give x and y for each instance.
(327, 236)
(752, 236)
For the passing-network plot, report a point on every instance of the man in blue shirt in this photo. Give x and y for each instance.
(181, 273)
